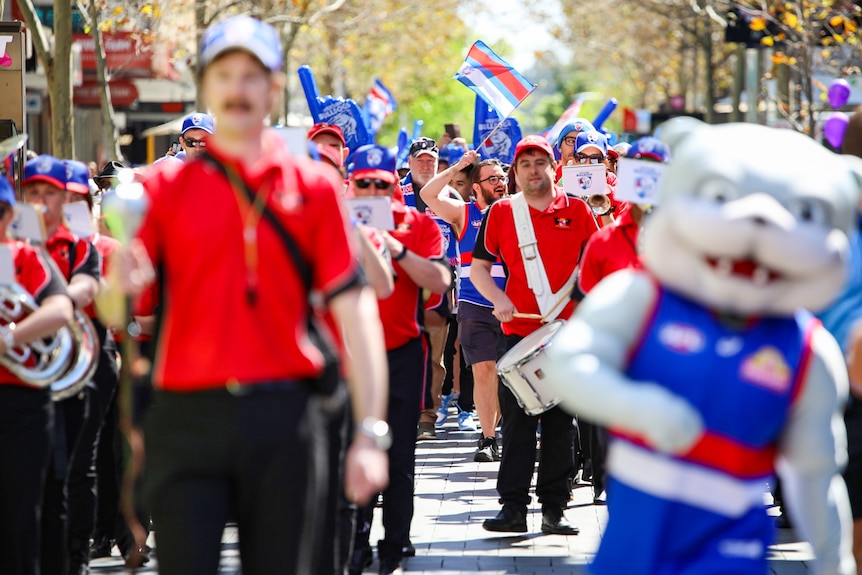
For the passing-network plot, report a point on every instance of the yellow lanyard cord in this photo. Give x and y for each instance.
(249, 233)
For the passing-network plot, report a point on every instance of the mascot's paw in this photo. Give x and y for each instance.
(668, 423)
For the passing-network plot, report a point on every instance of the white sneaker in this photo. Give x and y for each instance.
(466, 421)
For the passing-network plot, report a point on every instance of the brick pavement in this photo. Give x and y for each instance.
(454, 495)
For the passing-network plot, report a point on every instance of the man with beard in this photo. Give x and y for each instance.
(561, 226)
(478, 329)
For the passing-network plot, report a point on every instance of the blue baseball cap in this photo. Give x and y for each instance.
(199, 121)
(649, 148)
(452, 153)
(77, 177)
(577, 125)
(7, 192)
(592, 138)
(373, 161)
(241, 33)
(45, 168)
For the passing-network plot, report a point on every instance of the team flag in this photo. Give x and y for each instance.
(379, 104)
(493, 79)
(572, 112)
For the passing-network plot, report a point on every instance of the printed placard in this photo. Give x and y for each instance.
(28, 224)
(78, 219)
(374, 211)
(585, 180)
(7, 266)
(638, 180)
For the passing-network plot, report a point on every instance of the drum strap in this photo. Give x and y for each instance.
(537, 277)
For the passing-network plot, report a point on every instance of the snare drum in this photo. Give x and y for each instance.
(522, 370)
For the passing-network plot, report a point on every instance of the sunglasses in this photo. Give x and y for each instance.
(195, 143)
(366, 182)
(423, 144)
(589, 158)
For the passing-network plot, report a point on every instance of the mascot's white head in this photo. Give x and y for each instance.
(753, 220)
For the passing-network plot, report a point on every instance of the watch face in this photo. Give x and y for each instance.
(134, 329)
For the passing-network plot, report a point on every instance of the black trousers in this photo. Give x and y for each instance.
(519, 452)
(82, 469)
(406, 370)
(26, 417)
(70, 417)
(259, 456)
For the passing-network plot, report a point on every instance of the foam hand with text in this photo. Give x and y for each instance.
(345, 114)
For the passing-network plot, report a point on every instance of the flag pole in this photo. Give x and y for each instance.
(491, 133)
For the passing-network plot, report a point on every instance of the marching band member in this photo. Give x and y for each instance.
(25, 412)
(44, 185)
(236, 422)
(561, 226)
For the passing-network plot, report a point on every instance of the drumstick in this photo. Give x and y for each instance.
(527, 315)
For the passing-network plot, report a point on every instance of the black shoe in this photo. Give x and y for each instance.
(554, 523)
(137, 557)
(362, 558)
(390, 566)
(408, 550)
(509, 519)
(488, 450)
(101, 547)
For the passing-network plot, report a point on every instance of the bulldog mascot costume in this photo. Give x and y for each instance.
(708, 367)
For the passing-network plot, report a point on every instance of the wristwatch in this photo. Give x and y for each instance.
(377, 430)
(7, 336)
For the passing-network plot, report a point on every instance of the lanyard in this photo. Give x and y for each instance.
(249, 233)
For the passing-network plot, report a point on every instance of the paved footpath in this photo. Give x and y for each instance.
(454, 495)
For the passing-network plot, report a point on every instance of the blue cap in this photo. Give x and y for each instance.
(199, 121)
(592, 138)
(576, 125)
(373, 161)
(7, 192)
(452, 153)
(241, 33)
(45, 168)
(649, 148)
(77, 177)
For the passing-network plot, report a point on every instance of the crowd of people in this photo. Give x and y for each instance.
(298, 354)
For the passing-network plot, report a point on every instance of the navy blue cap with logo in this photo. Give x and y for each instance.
(373, 161)
(7, 192)
(241, 33)
(649, 148)
(77, 177)
(45, 168)
(591, 138)
(577, 125)
(199, 121)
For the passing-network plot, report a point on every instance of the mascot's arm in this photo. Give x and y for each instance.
(588, 359)
(813, 449)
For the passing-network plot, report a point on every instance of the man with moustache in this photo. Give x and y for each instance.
(562, 226)
(478, 329)
(238, 407)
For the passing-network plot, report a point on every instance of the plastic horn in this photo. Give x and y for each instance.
(605, 113)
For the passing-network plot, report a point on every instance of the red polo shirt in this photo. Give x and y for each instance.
(212, 332)
(73, 255)
(562, 231)
(38, 278)
(611, 249)
(400, 312)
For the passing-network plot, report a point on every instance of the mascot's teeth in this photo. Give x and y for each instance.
(760, 276)
(724, 266)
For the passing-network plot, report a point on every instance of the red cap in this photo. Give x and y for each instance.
(533, 142)
(324, 128)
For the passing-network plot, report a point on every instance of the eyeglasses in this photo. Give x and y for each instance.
(423, 144)
(589, 158)
(570, 141)
(195, 143)
(379, 184)
(494, 179)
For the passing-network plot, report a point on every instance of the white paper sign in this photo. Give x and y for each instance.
(638, 180)
(375, 211)
(7, 266)
(28, 224)
(585, 180)
(78, 219)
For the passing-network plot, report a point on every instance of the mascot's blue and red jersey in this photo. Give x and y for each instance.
(705, 508)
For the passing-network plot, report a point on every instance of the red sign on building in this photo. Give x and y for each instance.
(124, 54)
(123, 94)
